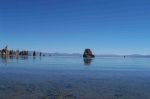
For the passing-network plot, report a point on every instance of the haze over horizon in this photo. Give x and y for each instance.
(70, 26)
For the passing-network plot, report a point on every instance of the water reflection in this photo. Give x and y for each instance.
(4, 59)
(87, 61)
(16, 59)
(34, 57)
(7, 59)
(23, 58)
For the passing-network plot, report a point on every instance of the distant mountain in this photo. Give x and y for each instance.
(133, 55)
(62, 54)
(138, 55)
(109, 55)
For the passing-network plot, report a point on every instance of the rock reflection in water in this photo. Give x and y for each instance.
(87, 61)
(24, 57)
(7, 59)
(4, 59)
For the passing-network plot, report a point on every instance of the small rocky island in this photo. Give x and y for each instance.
(88, 53)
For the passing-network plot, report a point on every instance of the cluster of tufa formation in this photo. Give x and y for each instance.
(7, 52)
(88, 54)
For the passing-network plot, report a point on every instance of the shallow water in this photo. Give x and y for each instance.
(74, 78)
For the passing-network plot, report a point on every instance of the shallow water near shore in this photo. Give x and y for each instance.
(74, 78)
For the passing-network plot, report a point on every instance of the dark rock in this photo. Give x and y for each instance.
(5, 51)
(23, 53)
(34, 53)
(40, 53)
(88, 54)
(11, 52)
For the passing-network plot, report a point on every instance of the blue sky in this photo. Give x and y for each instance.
(105, 26)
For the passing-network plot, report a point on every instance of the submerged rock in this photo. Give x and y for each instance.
(88, 54)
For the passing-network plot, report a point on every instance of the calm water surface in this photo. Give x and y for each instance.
(74, 78)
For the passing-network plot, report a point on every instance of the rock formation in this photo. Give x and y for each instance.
(5, 51)
(23, 53)
(15, 53)
(88, 54)
(34, 53)
(40, 53)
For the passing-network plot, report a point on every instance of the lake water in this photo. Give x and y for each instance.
(74, 78)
